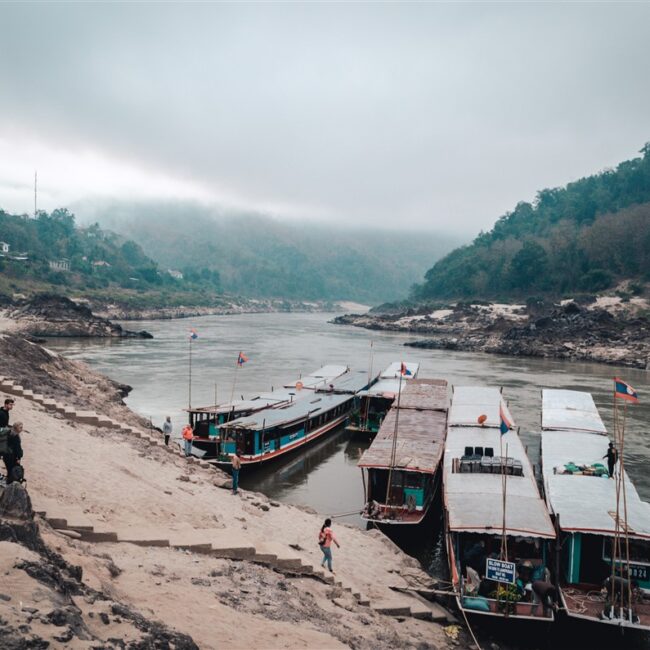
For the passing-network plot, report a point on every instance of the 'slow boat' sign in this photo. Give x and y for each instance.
(500, 571)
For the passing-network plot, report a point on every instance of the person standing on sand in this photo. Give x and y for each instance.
(167, 429)
(188, 434)
(15, 453)
(236, 466)
(325, 539)
(4, 412)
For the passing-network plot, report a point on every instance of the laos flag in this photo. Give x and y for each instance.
(242, 359)
(404, 370)
(193, 335)
(623, 390)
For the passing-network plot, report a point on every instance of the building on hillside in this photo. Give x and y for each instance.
(60, 265)
(177, 275)
(101, 263)
(4, 247)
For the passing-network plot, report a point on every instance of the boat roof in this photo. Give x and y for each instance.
(322, 376)
(395, 370)
(421, 431)
(468, 403)
(300, 409)
(474, 501)
(584, 503)
(570, 410)
(261, 401)
(351, 383)
(386, 388)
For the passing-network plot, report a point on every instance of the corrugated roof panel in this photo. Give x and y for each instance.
(570, 409)
(320, 377)
(587, 503)
(350, 382)
(468, 403)
(420, 441)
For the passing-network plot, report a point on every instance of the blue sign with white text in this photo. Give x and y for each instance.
(500, 571)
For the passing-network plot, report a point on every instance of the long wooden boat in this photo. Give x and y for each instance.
(273, 432)
(375, 401)
(412, 469)
(582, 499)
(206, 420)
(475, 467)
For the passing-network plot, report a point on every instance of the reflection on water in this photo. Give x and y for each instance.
(282, 346)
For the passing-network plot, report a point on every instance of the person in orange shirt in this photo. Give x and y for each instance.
(325, 539)
(188, 434)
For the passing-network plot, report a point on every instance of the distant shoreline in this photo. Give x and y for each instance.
(603, 330)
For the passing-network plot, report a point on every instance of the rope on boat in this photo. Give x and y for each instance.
(346, 514)
(470, 628)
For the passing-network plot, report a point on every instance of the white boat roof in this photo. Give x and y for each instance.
(570, 410)
(320, 377)
(387, 388)
(468, 403)
(587, 504)
(474, 502)
(395, 369)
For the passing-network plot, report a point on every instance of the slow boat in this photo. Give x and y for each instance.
(582, 499)
(499, 563)
(375, 401)
(400, 468)
(272, 432)
(206, 420)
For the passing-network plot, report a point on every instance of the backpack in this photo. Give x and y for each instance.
(322, 538)
(4, 440)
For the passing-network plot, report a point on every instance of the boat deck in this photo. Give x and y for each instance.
(588, 601)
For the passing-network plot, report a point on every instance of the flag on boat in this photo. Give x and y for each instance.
(505, 424)
(405, 371)
(623, 390)
(241, 359)
(193, 334)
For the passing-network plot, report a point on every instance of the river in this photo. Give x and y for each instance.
(282, 346)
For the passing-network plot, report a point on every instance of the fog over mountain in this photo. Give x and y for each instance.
(258, 256)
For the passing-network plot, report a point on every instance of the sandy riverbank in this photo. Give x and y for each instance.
(115, 481)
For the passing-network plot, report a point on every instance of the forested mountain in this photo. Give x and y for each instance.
(257, 256)
(52, 249)
(586, 236)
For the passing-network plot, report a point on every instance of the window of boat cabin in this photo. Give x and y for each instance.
(413, 480)
(639, 550)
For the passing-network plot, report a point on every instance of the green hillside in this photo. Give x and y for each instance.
(587, 236)
(257, 256)
(51, 250)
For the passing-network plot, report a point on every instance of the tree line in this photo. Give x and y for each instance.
(585, 237)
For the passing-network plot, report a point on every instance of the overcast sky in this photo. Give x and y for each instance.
(437, 116)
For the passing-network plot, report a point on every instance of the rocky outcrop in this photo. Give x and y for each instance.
(49, 315)
(566, 331)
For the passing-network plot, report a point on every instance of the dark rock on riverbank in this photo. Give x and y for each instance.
(584, 332)
(50, 315)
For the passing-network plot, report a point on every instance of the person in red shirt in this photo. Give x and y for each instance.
(325, 539)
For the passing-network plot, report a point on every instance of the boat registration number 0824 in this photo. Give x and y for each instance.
(500, 571)
(638, 572)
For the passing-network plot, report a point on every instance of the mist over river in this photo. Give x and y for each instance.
(282, 346)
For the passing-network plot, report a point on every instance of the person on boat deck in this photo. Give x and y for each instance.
(325, 539)
(167, 429)
(236, 466)
(612, 458)
(188, 434)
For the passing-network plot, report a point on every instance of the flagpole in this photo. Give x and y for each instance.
(234, 381)
(394, 448)
(189, 391)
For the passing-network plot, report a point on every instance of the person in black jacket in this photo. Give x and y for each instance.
(15, 453)
(4, 412)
